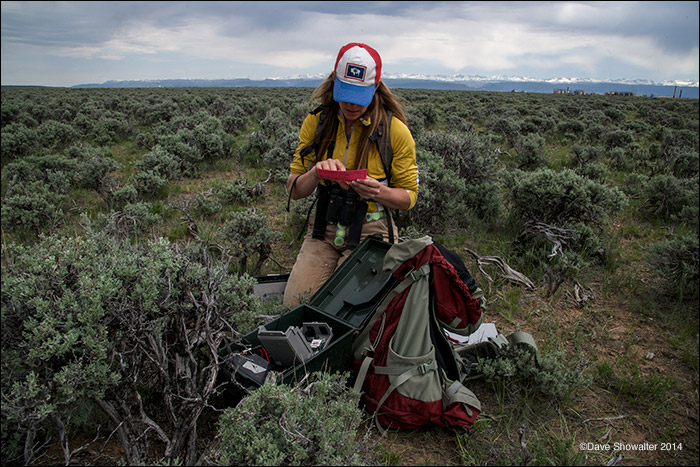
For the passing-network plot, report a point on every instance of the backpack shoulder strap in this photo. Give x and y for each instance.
(306, 151)
(382, 138)
(324, 111)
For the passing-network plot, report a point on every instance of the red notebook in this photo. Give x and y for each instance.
(342, 175)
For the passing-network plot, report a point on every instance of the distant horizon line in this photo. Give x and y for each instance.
(447, 78)
(456, 78)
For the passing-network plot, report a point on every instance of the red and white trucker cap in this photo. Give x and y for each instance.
(357, 71)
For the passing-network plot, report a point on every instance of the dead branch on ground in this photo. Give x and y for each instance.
(506, 271)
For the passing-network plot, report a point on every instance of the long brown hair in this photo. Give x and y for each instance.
(383, 100)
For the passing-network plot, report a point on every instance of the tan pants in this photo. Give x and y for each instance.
(317, 259)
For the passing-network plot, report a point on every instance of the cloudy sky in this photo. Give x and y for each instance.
(68, 43)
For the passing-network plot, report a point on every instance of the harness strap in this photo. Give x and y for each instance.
(322, 199)
(386, 154)
(319, 126)
(421, 369)
(457, 392)
(289, 199)
(358, 220)
(452, 390)
(362, 374)
(308, 212)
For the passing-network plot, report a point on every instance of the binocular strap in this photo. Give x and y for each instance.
(322, 200)
(358, 220)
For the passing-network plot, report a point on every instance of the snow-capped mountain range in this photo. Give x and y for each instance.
(640, 87)
(514, 79)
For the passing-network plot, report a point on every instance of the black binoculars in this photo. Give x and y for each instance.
(341, 206)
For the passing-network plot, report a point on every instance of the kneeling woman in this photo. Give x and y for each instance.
(355, 104)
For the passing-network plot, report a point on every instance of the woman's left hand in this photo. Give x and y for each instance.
(367, 188)
(370, 189)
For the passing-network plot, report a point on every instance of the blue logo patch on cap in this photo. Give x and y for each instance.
(355, 72)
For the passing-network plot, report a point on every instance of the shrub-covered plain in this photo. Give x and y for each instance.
(134, 220)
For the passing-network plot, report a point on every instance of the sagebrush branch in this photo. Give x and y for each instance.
(506, 271)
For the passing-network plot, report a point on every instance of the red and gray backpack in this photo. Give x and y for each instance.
(406, 369)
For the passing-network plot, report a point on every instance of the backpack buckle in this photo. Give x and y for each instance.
(424, 368)
(417, 274)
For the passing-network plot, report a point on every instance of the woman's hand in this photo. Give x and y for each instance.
(370, 189)
(367, 188)
(330, 164)
(303, 185)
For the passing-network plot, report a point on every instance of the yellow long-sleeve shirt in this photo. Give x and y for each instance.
(403, 167)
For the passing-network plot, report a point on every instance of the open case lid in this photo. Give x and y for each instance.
(358, 286)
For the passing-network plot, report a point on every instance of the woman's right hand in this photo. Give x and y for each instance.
(330, 164)
(303, 185)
